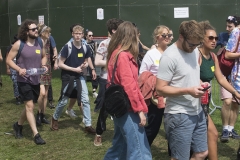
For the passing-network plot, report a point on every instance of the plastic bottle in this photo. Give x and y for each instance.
(35, 71)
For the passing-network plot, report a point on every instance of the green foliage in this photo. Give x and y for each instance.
(71, 142)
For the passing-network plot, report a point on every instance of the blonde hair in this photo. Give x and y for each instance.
(125, 38)
(158, 31)
(42, 28)
(78, 28)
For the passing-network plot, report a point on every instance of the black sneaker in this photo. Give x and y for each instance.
(234, 134)
(225, 136)
(18, 101)
(18, 130)
(38, 140)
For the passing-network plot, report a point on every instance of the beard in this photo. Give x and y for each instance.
(32, 36)
(185, 48)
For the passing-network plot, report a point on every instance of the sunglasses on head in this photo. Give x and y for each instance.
(90, 35)
(212, 38)
(191, 45)
(33, 29)
(167, 35)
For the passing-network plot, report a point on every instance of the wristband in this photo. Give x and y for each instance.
(93, 69)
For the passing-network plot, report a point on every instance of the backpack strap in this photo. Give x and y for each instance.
(20, 49)
(213, 56)
(69, 48)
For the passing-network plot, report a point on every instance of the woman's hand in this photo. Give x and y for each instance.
(142, 119)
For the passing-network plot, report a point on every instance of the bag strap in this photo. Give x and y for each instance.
(237, 58)
(114, 69)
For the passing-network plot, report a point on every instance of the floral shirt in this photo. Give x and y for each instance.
(231, 47)
(102, 50)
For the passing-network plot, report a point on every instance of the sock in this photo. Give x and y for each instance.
(98, 135)
(230, 128)
(225, 127)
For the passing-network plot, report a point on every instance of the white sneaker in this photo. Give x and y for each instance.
(95, 94)
(71, 113)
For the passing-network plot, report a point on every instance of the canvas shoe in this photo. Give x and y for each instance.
(71, 113)
(234, 134)
(95, 94)
(225, 136)
(97, 140)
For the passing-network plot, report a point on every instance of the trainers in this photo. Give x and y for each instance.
(18, 130)
(38, 140)
(95, 95)
(90, 130)
(51, 105)
(71, 113)
(18, 101)
(98, 140)
(54, 124)
(234, 134)
(225, 136)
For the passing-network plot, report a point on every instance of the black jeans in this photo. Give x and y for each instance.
(50, 93)
(155, 116)
(101, 123)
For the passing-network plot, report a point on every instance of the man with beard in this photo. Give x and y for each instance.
(178, 79)
(31, 55)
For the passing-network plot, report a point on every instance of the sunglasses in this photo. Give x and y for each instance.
(90, 35)
(33, 29)
(191, 45)
(212, 38)
(166, 35)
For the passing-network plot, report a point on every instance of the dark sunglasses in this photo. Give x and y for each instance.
(33, 29)
(212, 38)
(191, 45)
(90, 35)
(167, 35)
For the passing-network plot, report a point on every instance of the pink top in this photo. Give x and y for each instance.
(126, 75)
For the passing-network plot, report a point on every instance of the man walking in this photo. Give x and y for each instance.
(30, 55)
(73, 82)
(178, 79)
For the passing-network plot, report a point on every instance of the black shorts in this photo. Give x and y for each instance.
(28, 91)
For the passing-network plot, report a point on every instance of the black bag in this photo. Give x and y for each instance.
(115, 98)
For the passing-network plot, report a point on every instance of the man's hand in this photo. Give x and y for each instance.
(46, 69)
(84, 65)
(78, 69)
(22, 72)
(8, 71)
(94, 75)
(196, 92)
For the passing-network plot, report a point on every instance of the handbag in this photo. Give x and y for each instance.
(116, 101)
(226, 65)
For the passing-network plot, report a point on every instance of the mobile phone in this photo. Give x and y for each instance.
(206, 88)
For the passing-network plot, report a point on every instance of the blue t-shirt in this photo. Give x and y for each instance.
(52, 41)
(76, 58)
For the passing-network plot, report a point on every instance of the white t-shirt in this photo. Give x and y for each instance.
(102, 50)
(181, 70)
(150, 61)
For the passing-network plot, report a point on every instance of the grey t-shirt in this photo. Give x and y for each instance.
(181, 70)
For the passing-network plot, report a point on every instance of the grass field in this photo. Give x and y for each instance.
(70, 142)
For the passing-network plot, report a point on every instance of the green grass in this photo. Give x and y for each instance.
(70, 142)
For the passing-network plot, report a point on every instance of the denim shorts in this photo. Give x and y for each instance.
(185, 132)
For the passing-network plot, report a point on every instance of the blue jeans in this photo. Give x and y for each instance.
(85, 101)
(129, 141)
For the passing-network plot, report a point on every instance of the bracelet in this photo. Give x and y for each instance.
(93, 69)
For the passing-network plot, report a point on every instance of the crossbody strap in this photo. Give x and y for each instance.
(114, 69)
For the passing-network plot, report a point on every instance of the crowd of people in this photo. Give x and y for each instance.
(167, 82)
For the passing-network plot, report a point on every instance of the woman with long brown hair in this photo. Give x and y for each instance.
(129, 141)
